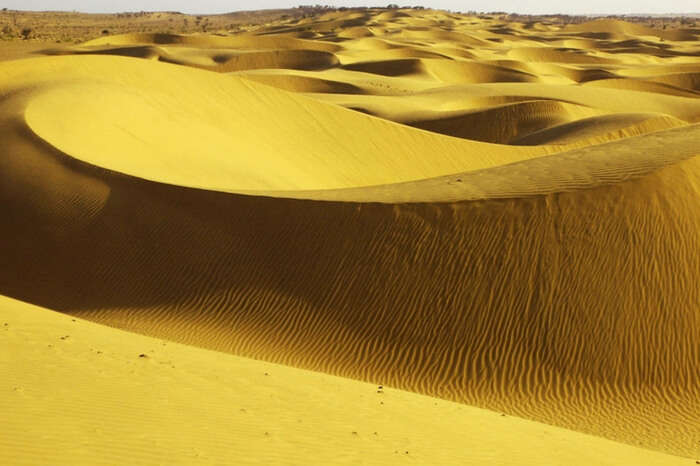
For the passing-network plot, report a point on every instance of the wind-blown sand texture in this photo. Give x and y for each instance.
(477, 214)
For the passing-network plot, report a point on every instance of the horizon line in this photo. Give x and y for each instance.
(321, 7)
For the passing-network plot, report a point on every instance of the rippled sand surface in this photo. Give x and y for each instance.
(407, 236)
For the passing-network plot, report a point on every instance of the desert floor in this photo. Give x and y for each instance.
(352, 237)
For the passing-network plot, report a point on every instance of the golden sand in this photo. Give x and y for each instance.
(80, 393)
(483, 217)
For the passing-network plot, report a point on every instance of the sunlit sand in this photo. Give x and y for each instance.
(361, 237)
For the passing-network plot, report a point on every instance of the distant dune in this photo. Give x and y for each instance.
(487, 213)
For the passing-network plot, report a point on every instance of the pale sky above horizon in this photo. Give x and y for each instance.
(225, 6)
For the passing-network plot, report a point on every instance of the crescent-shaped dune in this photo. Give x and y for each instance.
(504, 233)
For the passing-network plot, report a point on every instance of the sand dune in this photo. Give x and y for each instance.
(156, 141)
(502, 124)
(301, 83)
(515, 228)
(690, 81)
(437, 52)
(258, 409)
(548, 55)
(645, 86)
(600, 128)
(611, 26)
(211, 41)
(389, 67)
(578, 75)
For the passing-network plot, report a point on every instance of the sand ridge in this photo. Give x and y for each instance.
(496, 214)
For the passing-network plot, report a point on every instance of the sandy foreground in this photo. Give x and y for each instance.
(360, 237)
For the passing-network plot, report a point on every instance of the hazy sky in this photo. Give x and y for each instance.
(222, 6)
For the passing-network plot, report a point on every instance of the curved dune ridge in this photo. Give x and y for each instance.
(315, 146)
(506, 228)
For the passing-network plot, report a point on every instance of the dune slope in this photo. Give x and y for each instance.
(147, 393)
